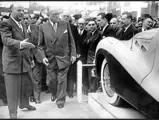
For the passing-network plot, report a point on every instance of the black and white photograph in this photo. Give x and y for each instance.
(79, 59)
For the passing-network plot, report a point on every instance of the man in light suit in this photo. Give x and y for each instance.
(16, 60)
(57, 48)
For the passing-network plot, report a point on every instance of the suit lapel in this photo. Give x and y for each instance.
(50, 30)
(25, 33)
(127, 31)
(16, 27)
(59, 31)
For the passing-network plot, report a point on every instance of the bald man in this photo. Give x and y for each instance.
(79, 36)
(16, 60)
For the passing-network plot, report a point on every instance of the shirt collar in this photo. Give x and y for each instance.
(105, 27)
(15, 20)
(52, 23)
(80, 30)
(143, 29)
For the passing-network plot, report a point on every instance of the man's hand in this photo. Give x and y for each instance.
(45, 61)
(32, 63)
(73, 59)
(25, 44)
(78, 55)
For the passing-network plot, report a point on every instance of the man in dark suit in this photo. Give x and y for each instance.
(37, 64)
(16, 60)
(3, 95)
(147, 23)
(128, 30)
(71, 77)
(104, 27)
(57, 48)
(91, 42)
(82, 50)
(106, 31)
(79, 36)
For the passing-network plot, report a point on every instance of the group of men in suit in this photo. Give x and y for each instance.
(57, 44)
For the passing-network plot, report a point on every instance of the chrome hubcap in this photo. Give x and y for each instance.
(106, 81)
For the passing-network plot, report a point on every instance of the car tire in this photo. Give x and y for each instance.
(110, 96)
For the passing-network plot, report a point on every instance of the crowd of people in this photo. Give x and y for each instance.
(40, 54)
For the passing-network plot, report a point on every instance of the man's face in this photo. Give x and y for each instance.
(17, 12)
(101, 22)
(92, 25)
(125, 21)
(147, 23)
(114, 22)
(66, 18)
(27, 19)
(81, 24)
(54, 17)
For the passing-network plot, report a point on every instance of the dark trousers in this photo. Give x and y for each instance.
(57, 82)
(17, 88)
(3, 95)
(37, 79)
(72, 78)
(92, 80)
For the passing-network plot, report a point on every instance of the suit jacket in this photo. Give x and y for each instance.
(79, 41)
(14, 60)
(57, 46)
(128, 34)
(92, 41)
(109, 32)
(34, 33)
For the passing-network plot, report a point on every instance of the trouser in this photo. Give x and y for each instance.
(92, 80)
(17, 88)
(37, 80)
(57, 81)
(3, 95)
(71, 81)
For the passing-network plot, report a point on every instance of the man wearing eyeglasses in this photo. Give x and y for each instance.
(16, 60)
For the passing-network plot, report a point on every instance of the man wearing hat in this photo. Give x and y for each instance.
(57, 48)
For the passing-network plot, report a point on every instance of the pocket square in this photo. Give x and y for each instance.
(65, 31)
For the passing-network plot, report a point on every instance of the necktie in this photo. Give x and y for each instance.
(54, 26)
(20, 26)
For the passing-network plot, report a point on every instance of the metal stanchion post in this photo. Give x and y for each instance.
(79, 81)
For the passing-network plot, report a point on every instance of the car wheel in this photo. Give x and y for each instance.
(110, 95)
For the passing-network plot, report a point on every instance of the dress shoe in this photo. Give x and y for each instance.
(29, 108)
(70, 94)
(37, 101)
(60, 105)
(32, 99)
(53, 98)
(47, 91)
(13, 117)
(99, 89)
(86, 93)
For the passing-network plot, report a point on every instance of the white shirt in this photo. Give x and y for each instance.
(80, 31)
(53, 25)
(105, 27)
(18, 23)
(143, 29)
